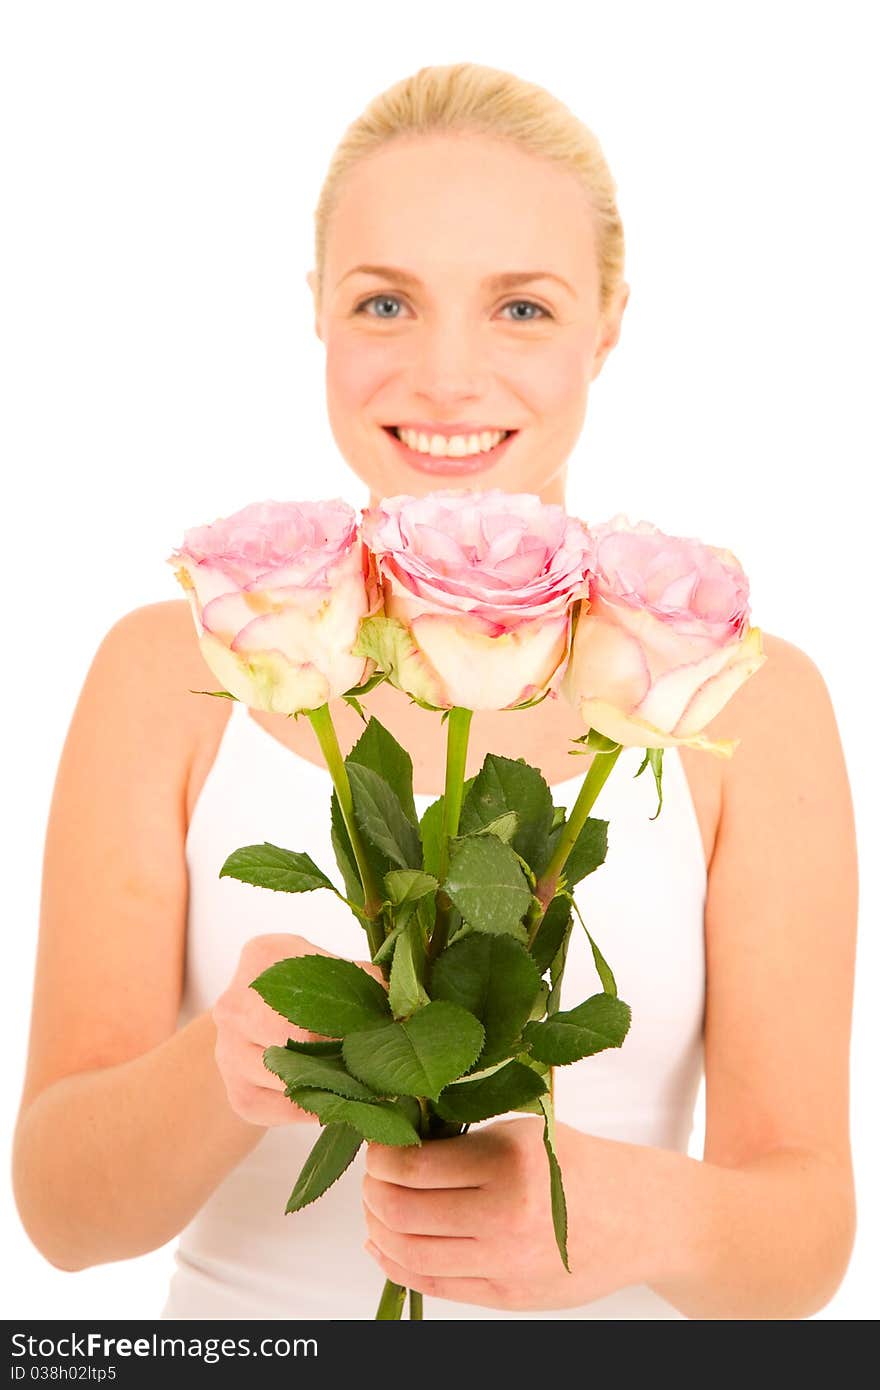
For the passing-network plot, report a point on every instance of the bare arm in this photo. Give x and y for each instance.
(124, 1127)
(769, 1216)
(112, 1163)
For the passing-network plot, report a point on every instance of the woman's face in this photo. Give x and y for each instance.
(435, 340)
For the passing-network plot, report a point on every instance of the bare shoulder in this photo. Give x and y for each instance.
(780, 715)
(157, 645)
(753, 712)
(164, 638)
(789, 762)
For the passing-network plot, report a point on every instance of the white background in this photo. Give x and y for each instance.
(160, 167)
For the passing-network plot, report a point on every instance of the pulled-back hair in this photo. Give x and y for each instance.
(473, 99)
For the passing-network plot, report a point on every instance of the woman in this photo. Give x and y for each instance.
(468, 281)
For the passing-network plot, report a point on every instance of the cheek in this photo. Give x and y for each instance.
(555, 382)
(356, 370)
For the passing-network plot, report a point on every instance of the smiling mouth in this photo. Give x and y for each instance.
(429, 462)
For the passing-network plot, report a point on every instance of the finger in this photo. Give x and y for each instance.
(244, 1061)
(457, 1211)
(465, 1160)
(442, 1256)
(254, 1069)
(268, 1109)
(262, 1025)
(476, 1290)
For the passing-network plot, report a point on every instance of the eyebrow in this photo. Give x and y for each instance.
(506, 280)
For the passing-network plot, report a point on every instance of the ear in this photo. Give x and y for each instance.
(610, 328)
(312, 282)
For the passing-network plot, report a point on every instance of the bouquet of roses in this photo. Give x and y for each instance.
(463, 601)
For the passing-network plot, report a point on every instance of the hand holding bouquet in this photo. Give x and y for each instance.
(462, 601)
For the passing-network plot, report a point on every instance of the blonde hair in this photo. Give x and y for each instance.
(473, 99)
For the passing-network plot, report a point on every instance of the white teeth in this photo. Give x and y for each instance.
(456, 446)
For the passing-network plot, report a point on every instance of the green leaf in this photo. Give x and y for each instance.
(468, 1101)
(368, 685)
(356, 705)
(595, 742)
(542, 1068)
(551, 932)
(431, 825)
(587, 852)
(391, 838)
(409, 1107)
(557, 968)
(331, 1154)
(535, 700)
(486, 884)
(557, 1191)
(408, 885)
(324, 994)
(406, 993)
(503, 828)
(341, 842)
(603, 969)
(389, 643)
(269, 866)
(382, 1122)
(602, 1021)
(539, 1008)
(328, 1073)
(510, 784)
(495, 979)
(379, 750)
(330, 1047)
(386, 950)
(408, 891)
(417, 1056)
(426, 912)
(506, 827)
(654, 756)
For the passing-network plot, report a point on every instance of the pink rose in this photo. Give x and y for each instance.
(277, 592)
(665, 642)
(479, 589)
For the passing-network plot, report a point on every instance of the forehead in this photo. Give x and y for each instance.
(453, 204)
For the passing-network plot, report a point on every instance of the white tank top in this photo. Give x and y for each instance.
(241, 1256)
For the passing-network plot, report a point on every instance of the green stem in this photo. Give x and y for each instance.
(459, 724)
(394, 1295)
(322, 723)
(391, 1303)
(545, 889)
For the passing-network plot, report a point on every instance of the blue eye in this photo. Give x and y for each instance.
(529, 304)
(395, 300)
(377, 299)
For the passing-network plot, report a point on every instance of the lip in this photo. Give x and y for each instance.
(428, 463)
(425, 427)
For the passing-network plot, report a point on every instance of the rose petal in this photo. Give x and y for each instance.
(743, 661)
(634, 733)
(606, 663)
(484, 671)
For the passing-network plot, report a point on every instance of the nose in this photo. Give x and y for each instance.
(450, 364)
